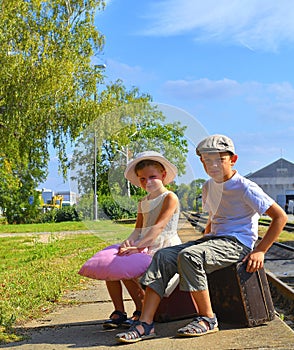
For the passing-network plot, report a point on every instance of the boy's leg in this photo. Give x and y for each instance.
(202, 300)
(151, 303)
(162, 268)
(194, 263)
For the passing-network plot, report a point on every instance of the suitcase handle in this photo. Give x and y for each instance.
(263, 294)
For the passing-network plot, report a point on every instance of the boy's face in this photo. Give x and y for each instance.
(219, 165)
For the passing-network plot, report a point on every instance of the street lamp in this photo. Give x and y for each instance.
(95, 209)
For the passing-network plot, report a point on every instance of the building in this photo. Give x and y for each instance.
(69, 198)
(277, 180)
(58, 199)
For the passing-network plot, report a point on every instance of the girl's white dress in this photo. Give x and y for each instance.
(150, 211)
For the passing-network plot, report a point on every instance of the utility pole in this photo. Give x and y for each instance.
(95, 209)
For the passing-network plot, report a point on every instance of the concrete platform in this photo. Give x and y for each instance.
(80, 327)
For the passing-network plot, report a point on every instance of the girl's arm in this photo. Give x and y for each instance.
(169, 207)
(137, 230)
(207, 227)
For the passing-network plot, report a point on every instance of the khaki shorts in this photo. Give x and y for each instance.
(192, 261)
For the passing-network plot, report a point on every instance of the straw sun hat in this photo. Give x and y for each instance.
(171, 170)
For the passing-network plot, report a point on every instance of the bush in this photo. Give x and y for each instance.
(118, 208)
(60, 215)
(66, 214)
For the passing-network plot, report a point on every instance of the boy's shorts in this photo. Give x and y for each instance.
(192, 260)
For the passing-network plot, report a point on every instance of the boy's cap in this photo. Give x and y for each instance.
(215, 143)
(171, 169)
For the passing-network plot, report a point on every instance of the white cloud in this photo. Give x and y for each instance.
(256, 24)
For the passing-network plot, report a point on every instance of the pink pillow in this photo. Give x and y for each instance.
(107, 265)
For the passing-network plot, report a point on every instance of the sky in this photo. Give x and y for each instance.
(221, 66)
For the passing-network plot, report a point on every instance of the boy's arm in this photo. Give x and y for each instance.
(279, 218)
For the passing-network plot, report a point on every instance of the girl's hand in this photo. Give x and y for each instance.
(128, 250)
(126, 244)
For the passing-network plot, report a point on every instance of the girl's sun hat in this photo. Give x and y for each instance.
(171, 169)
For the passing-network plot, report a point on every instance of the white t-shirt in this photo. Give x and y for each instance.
(234, 208)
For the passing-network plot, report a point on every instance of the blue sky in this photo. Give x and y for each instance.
(227, 64)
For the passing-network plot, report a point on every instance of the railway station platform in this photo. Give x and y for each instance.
(79, 326)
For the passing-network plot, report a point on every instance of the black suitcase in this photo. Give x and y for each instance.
(240, 297)
(179, 305)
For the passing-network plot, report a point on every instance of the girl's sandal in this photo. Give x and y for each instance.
(130, 321)
(133, 335)
(195, 329)
(115, 322)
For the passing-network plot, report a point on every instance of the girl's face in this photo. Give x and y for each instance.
(151, 178)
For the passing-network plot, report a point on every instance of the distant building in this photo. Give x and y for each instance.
(69, 198)
(277, 180)
(47, 195)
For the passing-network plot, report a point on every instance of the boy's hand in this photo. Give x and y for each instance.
(254, 260)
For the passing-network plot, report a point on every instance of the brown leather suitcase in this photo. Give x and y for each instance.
(179, 305)
(240, 297)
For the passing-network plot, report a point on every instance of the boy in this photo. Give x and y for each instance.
(234, 205)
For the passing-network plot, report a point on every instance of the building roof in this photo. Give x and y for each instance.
(279, 168)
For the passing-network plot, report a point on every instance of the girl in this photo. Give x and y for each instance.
(156, 227)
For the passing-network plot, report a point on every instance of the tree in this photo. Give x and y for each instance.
(190, 195)
(132, 125)
(47, 85)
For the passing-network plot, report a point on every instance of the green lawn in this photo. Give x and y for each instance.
(35, 272)
(57, 227)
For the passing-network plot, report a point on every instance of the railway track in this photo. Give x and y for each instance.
(279, 265)
(288, 227)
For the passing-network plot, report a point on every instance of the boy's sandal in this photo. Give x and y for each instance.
(115, 322)
(195, 329)
(130, 321)
(133, 335)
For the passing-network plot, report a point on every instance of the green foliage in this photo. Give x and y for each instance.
(47, 85)
(67, 214)
(132, 125)
(118, 208)
(109, 207)
(190, 195)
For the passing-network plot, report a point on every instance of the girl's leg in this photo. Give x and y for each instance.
(115, 291)
(136, 292)
(118, 316)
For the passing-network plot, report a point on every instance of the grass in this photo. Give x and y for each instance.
(46, 227)
(284, 237)
(35, 273)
